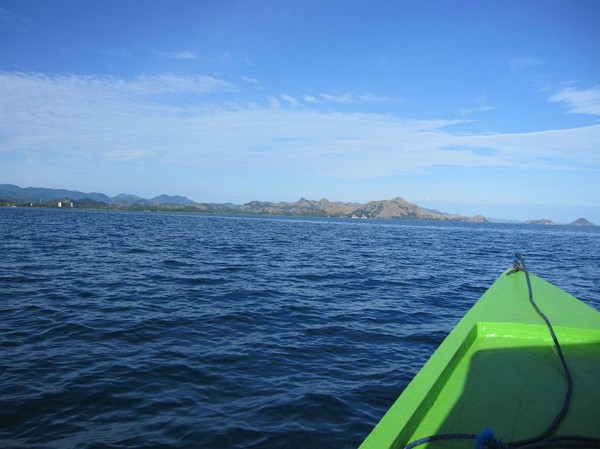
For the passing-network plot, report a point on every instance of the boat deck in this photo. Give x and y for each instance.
(499, 369)
(512, 382)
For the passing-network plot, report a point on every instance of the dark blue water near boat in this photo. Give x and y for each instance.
(146, 330)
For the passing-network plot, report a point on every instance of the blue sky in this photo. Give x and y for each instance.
(488, 107)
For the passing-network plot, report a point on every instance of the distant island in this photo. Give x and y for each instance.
(543, 221)
(12, 195)
(582, 222)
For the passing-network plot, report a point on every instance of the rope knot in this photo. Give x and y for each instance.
(486, 440)
(518, 264)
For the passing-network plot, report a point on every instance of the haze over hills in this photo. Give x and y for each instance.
(394, 208)
(11, 192)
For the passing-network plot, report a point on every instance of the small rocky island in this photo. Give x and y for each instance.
(543, 221)
(582, 222)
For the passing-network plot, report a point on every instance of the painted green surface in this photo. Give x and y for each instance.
(498, 368)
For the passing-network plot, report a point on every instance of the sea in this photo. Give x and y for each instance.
(166, 330)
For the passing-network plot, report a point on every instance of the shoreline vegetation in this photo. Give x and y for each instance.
(14, 196)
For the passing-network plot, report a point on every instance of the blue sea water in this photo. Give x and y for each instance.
(155, 330)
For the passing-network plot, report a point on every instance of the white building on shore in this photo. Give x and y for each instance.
(66, 203)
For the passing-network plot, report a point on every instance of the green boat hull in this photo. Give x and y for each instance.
(499, 369)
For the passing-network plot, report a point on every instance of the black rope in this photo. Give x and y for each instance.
(567, 399)
(486, 439)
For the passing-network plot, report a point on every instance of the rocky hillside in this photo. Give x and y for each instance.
(394, 208)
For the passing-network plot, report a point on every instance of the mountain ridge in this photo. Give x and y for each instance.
(396, 207)
(13, 192)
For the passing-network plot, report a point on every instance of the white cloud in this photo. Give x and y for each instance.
(130, 154)
(62, 93)
(175, 84)
(273, 102)
(476, 109)
(349, 98)
(342, 98)
(181, 55)
(291, 100)
(73, 122)
(572, 148)
(579, 101)
(250, 80)
(370, 98)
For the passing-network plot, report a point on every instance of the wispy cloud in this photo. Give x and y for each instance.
(181, 55)
(480, 104)
(72, 121)
(342, 98)
(557, 149)
(9, 17)
(579, 101)
(173, 84)
(126, 155)
(42, 90)
(290, 100)
(349, 98)
(476, 109)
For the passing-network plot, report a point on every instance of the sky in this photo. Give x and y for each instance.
(489, 107)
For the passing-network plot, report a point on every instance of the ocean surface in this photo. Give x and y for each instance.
(156, 330)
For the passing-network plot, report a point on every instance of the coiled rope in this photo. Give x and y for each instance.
(486, 439)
